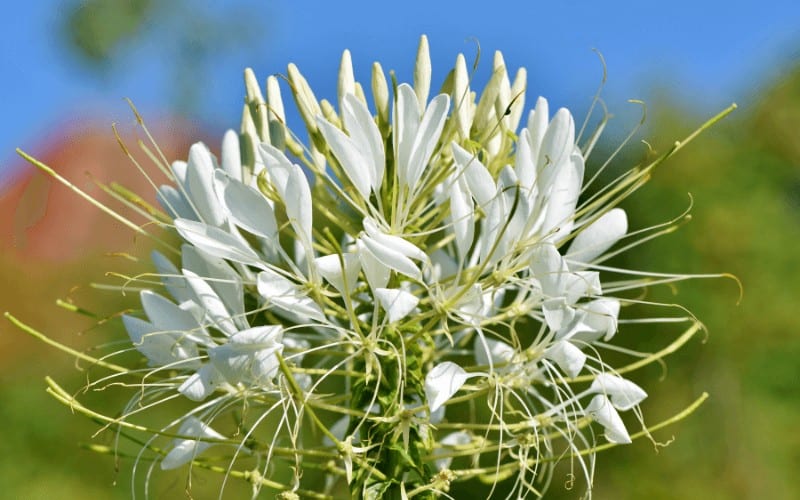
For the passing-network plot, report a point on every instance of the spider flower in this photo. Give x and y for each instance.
(414, 297)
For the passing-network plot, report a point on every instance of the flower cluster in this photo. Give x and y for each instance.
(415, 298)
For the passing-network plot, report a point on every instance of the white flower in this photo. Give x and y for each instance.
(333, 299)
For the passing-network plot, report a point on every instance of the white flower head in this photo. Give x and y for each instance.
(328, 302)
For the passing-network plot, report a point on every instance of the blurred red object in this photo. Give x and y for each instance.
(53, 243)
(43, 220)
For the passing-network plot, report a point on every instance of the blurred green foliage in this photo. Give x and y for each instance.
(188, 35)
(98, 28)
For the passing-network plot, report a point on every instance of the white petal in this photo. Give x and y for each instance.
(575, 286)
(307, 103)
(462, 100)
(338, 429)
(494, 247)
(436, 416)
(231, 155)
(444, 380)
(594, 240)
(174, 203)
(249, 356)
(292, 186)
(567, 356)
(394, 242)
(170, 277)
(376, 272)
(351, 159)
(472, 304)
(380, 92)
(277, 166)
(221, 277)
(160, 347)
(364, 132)
(214, 308)
(195, 427)
(462, 214)
(277, 117)
(167, 316)
(299, 345)
(156, 347)
(601, 318)
(186, 450)
(200, 185)
(347, 82)
(479, 180)
(485, 118)
(549, 269)
(217, 242)
(298, 204)
(427, 136)
(499, 352)
(183, 453)
(623, 393)
(406, 122)
(250, 210)
(569, 322)
(558, 315)
(524, 164)
(516, 207)
(301, 255)
(443, 266)
(456, 438)
(392, 258)
(202, 383)
(603, 412)
(538, 119)
(396, 303)
(564, 198)
(557, 144)
(285, 294)
(330, 267)
(179, 170)
(517, 92)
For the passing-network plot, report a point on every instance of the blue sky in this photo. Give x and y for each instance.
(708, 53)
